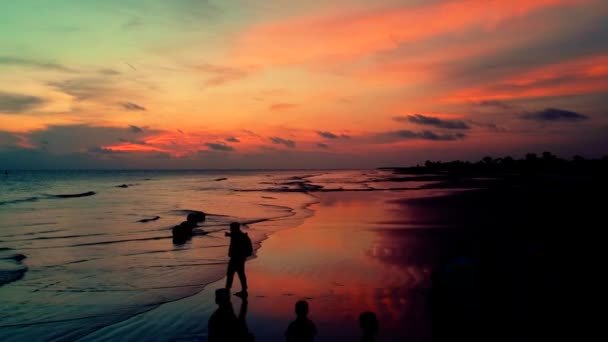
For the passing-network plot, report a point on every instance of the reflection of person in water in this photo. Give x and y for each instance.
(369, 324)
(224, 325)
(302, 329)
(243, 329)
(240, 248)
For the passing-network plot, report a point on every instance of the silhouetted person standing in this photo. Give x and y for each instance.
(369, 324)
(240, 248)
(302, 329)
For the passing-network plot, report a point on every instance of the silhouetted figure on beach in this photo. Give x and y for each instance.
(240, 248)
(369, 324)
(302, 329)
(197, 216)
(183, 231)
(224, 325)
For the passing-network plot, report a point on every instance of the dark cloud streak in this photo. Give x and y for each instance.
(132, 106)
(83, 88)
(420, 119)
(554, 115)
(494, 103)
(219, 147)
(281, 141)
(18, 103)
(135, 129)
(402, 135)
(328, 135)
(109, 72)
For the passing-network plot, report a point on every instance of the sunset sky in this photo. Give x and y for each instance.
(299, 84)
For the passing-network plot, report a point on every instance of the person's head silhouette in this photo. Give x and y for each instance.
(369, 324)
(302, 308)
(302, 329)
(222, 297)
(235, 227)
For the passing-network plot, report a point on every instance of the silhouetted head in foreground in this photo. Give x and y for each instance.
(302, 329)
(302, 308)
(369, 324)
(222, 297)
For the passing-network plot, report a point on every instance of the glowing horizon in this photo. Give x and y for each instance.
(230, 84)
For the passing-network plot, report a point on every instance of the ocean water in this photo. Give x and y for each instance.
(72, 265)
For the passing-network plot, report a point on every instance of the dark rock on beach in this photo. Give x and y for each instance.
(84, 194)
(149, 219)
(11, 268)
(124, 186)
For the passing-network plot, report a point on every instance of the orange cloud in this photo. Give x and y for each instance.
(580, 76)
(341, 36)
(129, 147)
(180, 144)
(168, 142)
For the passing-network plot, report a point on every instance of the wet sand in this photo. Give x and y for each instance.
(344, 260)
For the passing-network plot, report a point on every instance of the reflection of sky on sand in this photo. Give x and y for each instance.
(346, 262)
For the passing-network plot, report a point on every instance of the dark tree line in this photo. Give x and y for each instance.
(546, 163)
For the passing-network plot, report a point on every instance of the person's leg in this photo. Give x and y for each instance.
(230, 274)
(241, 272)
